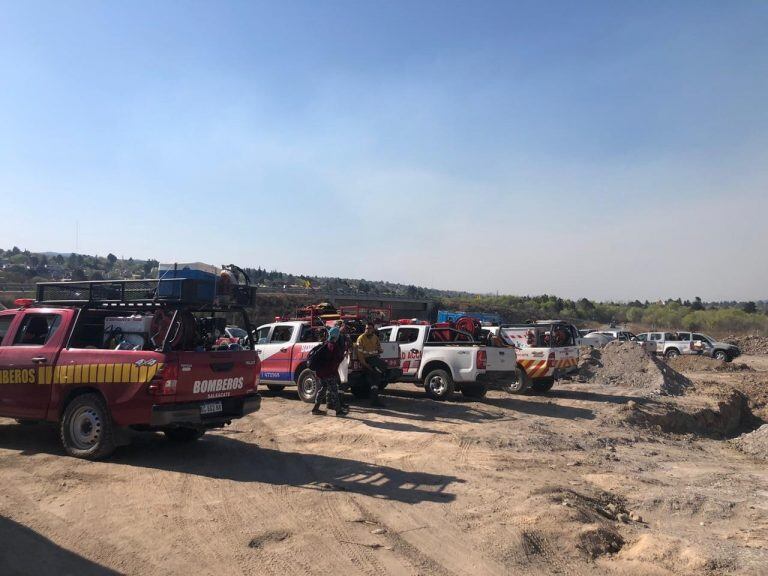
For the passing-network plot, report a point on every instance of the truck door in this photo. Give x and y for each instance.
(275, 354)
(27, 357)
(410, 353)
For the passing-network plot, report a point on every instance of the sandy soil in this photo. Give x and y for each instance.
(562, 484)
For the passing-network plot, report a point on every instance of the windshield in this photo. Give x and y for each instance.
(235, 332)
(703, 337)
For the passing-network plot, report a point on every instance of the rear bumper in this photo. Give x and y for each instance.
(497, 377)
(187, 414)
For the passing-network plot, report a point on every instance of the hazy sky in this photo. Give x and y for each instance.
(598, 149)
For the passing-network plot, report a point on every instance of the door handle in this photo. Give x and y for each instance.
(39, 359)
(283, 349)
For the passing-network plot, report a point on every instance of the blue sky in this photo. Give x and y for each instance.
(599, 149)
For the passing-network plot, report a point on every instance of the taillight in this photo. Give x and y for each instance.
(482, 359)
(164, 382)
(551, 360)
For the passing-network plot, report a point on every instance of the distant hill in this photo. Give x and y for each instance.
(21, 269)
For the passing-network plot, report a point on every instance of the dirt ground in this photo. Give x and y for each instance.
(584, 480)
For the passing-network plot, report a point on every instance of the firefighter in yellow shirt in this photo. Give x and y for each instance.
(369, 351)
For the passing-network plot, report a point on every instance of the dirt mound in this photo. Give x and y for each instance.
(691, 363)
(754, 385)
(750, 344)
(710, 409)
(676, 555)
(627, 364)
(754, 443)
(568, 524)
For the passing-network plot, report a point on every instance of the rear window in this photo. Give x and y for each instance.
(37, 329)
(5, 323)
(281, 334)
(407, 335)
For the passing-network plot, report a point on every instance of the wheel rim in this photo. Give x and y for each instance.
(85, 428)
(437, 385)
(720, 356)
(309, 386)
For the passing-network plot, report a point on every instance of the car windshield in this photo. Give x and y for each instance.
(703, 337)
(237, 332)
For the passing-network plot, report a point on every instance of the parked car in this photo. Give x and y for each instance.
(546, 351)
(594, 339)
(98, 358)
(672, 344)
(615, 333)
(283, 348)
(444, 360)
(719, 350)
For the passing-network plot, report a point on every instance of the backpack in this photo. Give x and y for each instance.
(316, 356)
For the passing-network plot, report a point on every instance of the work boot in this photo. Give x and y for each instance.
(343, 411)
(316, 410)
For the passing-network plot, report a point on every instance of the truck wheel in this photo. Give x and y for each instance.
(439, 385)
(86, 428)
(184, 434)
(672, 353)
(275, 387)
(521, 384)
(721, 355)
(474, 390)
(542, 385)
(307, 385)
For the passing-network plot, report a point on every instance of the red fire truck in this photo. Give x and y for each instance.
(98, 358)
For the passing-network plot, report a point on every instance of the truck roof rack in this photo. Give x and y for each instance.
(149, 293)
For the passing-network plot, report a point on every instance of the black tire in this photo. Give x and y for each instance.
(521, 384)
(275, 387)
(184, 434)
(439, 385)
(307, 385)
(86, 428)
(722, 355)
(474, 390)
(542, 385)
(671, 353)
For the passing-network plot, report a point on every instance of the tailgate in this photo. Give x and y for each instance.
(204, 375)
(500, 359)
(567, 359)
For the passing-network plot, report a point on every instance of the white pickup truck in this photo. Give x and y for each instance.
(671, 344)
(283, 348)
(546, 350)
(444, 360)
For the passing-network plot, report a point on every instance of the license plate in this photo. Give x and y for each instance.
(211, 408)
